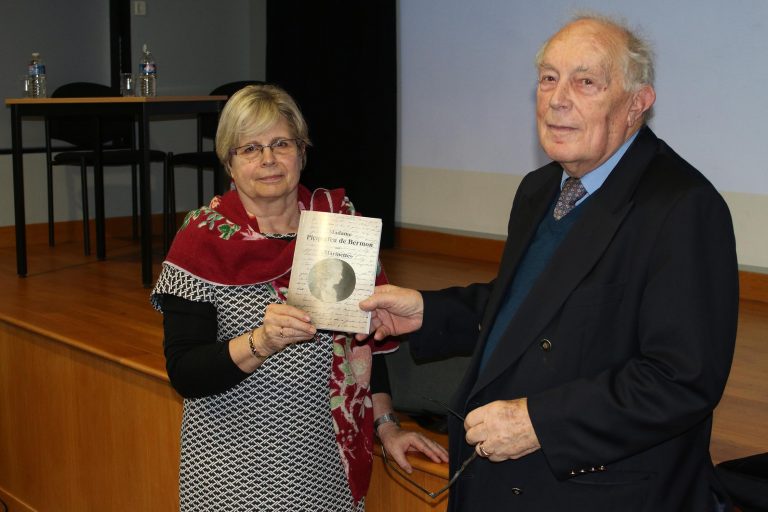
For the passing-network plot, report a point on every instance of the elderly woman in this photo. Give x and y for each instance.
(277, 414)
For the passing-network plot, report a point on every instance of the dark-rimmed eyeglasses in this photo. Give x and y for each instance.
(280, 147)
(404, 476)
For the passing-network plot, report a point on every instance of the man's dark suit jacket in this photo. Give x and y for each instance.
(623, 345)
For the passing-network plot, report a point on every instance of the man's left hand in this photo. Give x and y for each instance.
(501, 430)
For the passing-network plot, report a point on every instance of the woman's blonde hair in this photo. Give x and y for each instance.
(253, 110)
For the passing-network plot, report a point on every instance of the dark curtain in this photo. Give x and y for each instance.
(119, 40)
(338, 60)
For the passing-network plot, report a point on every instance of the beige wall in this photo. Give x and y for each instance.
(474, 203)
(478, 203)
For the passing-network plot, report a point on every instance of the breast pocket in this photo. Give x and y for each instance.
(593, 303)
(590, 324)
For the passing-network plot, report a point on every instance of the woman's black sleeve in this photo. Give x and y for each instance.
(197, 364)
(379, 375)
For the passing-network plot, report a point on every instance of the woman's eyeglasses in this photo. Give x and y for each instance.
(404, 476)
(281, 147)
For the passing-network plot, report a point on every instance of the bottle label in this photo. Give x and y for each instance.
(148, 68)
(36, 69)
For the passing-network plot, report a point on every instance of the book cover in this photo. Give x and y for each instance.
(334, 268)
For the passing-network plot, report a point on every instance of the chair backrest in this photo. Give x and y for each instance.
(83, 90)
(116, 131)
(209, 122)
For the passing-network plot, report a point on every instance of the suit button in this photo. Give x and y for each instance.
(545, 345)
(517, 491)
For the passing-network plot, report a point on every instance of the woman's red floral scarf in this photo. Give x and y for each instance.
(222, 244)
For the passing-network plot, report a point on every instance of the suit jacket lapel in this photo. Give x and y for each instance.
(522, 226)
(582, 248)
(526, 215)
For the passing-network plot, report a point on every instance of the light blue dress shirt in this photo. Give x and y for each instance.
(593, 180)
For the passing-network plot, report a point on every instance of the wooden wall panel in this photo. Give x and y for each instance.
(87, 433)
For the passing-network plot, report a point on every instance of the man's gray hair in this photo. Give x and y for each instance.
(637, 59)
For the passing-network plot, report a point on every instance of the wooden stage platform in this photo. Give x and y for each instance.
(88, 420)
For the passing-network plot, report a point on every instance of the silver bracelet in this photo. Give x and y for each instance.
(390, 417)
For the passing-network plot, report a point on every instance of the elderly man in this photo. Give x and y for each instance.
(604, 344)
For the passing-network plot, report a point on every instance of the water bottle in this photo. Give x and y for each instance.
(36, 75)
(147, 74)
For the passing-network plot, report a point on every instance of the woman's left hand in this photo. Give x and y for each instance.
(398, 442)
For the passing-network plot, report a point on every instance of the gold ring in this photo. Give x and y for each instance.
(482, 451)
(281, 333)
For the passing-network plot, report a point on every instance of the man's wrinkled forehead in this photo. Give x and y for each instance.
(588, 45)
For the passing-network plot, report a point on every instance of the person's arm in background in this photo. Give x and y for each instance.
(396, 440)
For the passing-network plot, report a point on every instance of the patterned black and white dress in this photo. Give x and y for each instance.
(267, 443)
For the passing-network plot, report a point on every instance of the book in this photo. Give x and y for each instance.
(334, 268)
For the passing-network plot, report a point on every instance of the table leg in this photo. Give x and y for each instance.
(145, 199)
(18, 193)
(49, 181)
(98, 186)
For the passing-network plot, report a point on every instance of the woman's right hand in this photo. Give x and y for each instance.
(283, 325)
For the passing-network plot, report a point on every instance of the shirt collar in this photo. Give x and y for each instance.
(594, 179)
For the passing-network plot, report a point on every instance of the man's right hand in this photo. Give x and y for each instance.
(394, 311)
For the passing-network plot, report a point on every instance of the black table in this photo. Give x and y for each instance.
(142, 108)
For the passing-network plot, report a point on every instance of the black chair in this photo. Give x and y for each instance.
(116, 135)
(200, 160)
